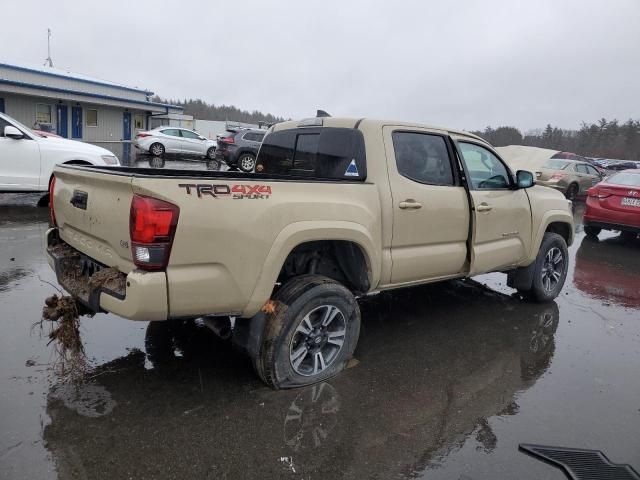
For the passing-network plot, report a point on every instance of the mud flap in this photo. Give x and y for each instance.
(248, 333)
(521, 278)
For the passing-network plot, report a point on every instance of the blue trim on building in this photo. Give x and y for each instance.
(87, 94)
(67, 77)
(62, 120)
(76, 122)
(1, 105)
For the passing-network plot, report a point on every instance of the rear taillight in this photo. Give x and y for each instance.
(558, 175)
(152, 226)
(595, 193)
(142, 135)
(52, 213)
(228, 140)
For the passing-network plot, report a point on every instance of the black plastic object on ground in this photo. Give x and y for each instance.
(580, 464)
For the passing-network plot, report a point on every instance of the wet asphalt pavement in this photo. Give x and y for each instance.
(449, 379)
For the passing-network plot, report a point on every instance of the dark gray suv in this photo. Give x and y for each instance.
(239, 148)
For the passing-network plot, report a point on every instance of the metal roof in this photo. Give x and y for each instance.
(59, 73)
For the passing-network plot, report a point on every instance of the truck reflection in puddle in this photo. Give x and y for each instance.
(436, 362)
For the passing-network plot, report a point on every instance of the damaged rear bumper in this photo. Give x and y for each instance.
(137, 295)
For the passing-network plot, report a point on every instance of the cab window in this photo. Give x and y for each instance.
(188, 134)
(485, 170)
(423, 158)
(582, 168)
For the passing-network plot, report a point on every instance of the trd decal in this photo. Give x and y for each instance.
(237, 192)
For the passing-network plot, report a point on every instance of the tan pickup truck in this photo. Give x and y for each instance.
(338, 208)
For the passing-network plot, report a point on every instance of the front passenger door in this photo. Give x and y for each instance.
(172, 140)
(192, 143)
(501, 213)
(19, 163)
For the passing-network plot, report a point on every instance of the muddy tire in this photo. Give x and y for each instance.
(550, 270)
(311, 334)
(592, 231)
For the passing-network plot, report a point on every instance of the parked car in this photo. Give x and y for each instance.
(239, 148)
(621, 165)
(166, 139)
(571, 177)
(614, 204)
(337, 199)
(27, 158)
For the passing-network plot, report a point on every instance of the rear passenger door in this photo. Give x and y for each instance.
(501, 234)
(430, 206)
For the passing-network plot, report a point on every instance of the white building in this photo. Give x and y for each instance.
(79, 107)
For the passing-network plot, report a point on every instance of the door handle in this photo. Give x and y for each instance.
(484, 207)
(410, 204)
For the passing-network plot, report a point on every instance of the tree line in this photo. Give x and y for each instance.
(602, 139)
(207, 111)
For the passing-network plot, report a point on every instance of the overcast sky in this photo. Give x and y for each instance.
(463, 64)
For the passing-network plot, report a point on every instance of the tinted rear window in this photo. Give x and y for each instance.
(328, 153)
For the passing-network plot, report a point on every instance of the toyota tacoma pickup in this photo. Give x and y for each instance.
(338, 208)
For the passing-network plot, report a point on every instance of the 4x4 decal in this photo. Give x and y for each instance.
(236, 192)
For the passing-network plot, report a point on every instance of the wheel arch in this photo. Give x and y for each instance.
(556, 221)
(357, 251)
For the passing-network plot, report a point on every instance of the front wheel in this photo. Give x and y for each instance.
(211, 153)
(550, 269)
(311, 334)
(247, 162)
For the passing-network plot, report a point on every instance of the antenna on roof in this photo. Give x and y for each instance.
(48, 61)
(322, 113)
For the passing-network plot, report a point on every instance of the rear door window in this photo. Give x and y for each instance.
(173, 132)
(324, 153)
(423, 158)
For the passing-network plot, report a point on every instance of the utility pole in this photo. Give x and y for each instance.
(48, 61)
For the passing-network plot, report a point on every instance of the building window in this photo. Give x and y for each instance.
(92, 118)
(138, 121)
(43, 114)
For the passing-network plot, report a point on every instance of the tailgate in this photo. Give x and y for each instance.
(92, 212)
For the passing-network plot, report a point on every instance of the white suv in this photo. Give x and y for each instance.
(27, 158)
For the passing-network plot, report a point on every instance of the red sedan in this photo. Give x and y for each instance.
(614, 204)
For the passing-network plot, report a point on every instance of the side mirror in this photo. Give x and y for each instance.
(13, 132)
(525, 179)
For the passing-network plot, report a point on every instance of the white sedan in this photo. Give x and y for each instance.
(163, 140)
(27, 158)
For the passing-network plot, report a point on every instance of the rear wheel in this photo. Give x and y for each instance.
(550, 270)
(247, 162)
(156, 149)
(592, 231)
(211, 153)
(311, 335)
(572, 191)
